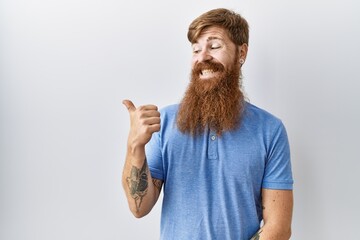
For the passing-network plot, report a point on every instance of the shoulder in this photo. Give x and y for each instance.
(260, 121)
(257, 115)
(169, 112)
(168, 115)
(170, 109)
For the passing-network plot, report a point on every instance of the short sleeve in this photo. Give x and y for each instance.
(278, 174)
(154, 156)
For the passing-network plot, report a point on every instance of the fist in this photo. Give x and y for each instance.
(144, 121)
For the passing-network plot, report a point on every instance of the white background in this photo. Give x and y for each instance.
(65, 67)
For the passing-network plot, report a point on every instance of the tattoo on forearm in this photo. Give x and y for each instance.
(138, 184)
(256, 236)
(157, 183)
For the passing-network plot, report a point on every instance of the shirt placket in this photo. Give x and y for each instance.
(213, 145)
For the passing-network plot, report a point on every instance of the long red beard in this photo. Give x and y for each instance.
(215, 103)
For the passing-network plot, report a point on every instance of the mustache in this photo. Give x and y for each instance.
(210, 65)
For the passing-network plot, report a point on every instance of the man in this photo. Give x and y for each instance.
(224, 163)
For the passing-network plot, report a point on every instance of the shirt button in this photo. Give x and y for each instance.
(213, 138)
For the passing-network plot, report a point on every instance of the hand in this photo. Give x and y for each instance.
(144, 121)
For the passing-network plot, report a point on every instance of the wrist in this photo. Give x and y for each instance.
(137, 151)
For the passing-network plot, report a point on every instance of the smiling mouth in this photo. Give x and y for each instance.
(206, 73)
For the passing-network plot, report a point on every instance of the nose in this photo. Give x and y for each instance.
(204, 56)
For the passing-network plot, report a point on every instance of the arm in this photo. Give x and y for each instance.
(277, 214)
(142, 191)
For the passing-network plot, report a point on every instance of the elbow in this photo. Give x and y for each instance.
(288, 234)
(285, 234)
(138, 213)
(277, 232)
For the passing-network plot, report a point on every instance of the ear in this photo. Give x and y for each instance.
(243, 49)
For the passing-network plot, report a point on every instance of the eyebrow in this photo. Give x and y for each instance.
(209, 39)
(213, 38)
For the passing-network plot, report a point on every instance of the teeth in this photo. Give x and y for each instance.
(206, 71)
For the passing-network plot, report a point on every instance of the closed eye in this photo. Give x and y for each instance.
(215, 46)
(196, 48)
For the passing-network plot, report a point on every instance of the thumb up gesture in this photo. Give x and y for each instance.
(144, 121)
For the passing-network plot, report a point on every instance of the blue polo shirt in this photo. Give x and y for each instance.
(212, 184)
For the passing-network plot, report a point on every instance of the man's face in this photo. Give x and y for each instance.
(213, 98)
(213, 54)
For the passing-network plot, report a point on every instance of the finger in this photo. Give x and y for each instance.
(154, 128)
(148, 107)
(152, 121)
(129, 105)
(150, 113)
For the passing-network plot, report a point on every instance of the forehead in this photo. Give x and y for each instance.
(213, 32)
